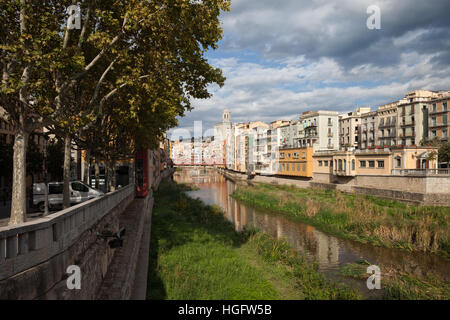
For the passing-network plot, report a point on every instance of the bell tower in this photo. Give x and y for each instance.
(226, 116)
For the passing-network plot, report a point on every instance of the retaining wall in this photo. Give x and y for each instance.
(34, 256)
(427, 190)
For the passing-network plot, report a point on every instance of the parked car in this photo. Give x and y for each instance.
(79, 192)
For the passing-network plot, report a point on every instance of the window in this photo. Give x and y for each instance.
(298, 166)
(282, 155)
(340, 164)
(380, 163)
(353, 164)
(320, 163)
(76, 186)
(304, 155)
(287, 167)
(55, 189)
(445, 133)
(434, 107)
(304, 166)
(444, 119)
(371, 164)
(362, 164)
(444, 106)
(326, 163)
(399, 162)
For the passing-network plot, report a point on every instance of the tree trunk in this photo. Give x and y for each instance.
(87, 167)
(113, 176)
(66, 189)
(19, 191)
(108, 175)
(97, 175)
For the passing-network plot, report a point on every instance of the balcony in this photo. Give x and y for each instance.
(330, 134)
(438, 111)
(343, 173)
(408, 123)
(439, 124)
(386, 125)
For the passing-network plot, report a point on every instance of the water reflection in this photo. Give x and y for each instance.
(329, 252)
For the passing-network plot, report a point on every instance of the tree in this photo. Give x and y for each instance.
(65, 79)
(29, 31)
(444, 153)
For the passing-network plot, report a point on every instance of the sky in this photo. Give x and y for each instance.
(284, 57)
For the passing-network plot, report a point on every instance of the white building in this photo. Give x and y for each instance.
(319, 129)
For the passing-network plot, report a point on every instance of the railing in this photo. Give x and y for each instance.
(439, 124)
(420, 172)
(439, 111)
(31, 243)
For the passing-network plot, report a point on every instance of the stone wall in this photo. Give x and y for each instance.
(427, 190)
(34, 256)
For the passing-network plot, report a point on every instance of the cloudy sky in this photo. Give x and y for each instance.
(283, 57)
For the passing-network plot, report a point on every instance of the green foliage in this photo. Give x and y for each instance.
(444, 153)
(408, 287)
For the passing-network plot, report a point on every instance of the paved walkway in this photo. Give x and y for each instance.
(128, 266)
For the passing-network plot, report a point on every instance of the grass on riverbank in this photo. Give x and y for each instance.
(196, 254)
(358, 217)
(401, 286)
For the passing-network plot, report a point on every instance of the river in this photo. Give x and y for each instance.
(328, 251)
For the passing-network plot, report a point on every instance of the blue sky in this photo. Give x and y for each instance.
(284, 57)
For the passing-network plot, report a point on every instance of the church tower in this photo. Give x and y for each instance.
(226, 116)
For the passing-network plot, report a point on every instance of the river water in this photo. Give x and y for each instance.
(328, 251)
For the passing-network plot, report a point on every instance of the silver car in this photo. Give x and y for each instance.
(79, 192)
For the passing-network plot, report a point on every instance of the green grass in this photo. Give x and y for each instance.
(408, 287)
(196, 254)
(363, 218)
(401, 286)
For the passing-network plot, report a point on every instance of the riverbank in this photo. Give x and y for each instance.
(362, 218)
(197, 254)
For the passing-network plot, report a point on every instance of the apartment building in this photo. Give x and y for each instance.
(438, 125)
(319, 130)
(348, 128)
(296, 162)
(290, 134)
(412, 113)
(274, 143)
(367, 130)
(387, 125)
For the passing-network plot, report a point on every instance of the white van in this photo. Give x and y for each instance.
(79, 192)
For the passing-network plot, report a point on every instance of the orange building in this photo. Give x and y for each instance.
(297, 162)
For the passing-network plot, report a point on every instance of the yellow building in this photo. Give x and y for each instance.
(297, 162)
